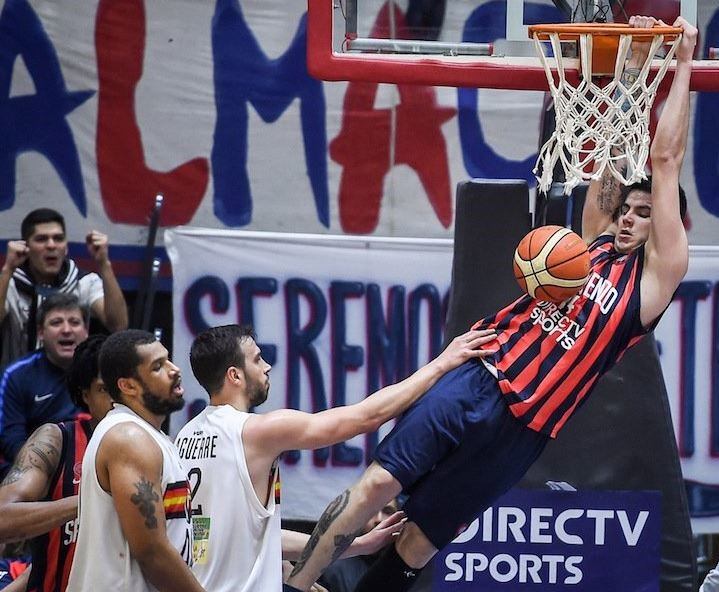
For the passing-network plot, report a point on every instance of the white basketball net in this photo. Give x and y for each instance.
(599, 127)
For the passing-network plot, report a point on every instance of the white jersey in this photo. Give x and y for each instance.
(102, 556)
(238, 540)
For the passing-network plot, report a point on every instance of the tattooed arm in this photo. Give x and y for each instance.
(129, 468)
(602, 201)
(293, 543)
(28, 481)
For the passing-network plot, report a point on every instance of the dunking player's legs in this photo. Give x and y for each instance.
(341, 522)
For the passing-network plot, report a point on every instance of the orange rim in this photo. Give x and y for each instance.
(572, 31)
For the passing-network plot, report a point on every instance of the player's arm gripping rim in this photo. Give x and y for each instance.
(667, 251)
(28, 480)
(129, 465)
(604, 195)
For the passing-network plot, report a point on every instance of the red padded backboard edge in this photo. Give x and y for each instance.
(478, 72)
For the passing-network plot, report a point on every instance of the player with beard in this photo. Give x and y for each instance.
(231, 456)
(135, 529)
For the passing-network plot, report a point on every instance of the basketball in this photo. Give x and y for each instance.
(551, 263)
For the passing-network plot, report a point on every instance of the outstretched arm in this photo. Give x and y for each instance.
(28, 480)
(667, 253)
(288, 429)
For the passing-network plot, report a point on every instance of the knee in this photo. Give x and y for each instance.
(378, 484)
(414, 547)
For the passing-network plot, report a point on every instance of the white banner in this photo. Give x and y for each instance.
(343, 315)
(337, 313)
(688, 338)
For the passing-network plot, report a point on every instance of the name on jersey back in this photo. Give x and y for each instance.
(197, 447)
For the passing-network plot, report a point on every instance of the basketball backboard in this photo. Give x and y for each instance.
(473, 43)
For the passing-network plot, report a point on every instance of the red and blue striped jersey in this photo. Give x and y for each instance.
(52, 552)
(549, 356)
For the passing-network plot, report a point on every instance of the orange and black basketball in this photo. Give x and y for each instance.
(551, 263)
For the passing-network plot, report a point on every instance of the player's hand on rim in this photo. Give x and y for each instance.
(685, 51)
(640, 48)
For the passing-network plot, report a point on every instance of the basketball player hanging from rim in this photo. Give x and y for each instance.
(477, 431)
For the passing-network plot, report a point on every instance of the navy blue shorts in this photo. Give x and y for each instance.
(456, 450)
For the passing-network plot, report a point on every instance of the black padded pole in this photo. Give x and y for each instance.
(491, 218)
(146, 279)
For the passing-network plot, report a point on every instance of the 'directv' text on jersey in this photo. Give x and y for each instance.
(549, 356)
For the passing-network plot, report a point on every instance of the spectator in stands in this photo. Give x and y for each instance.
(33, 390)
(38, 266)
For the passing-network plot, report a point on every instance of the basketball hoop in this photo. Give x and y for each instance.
(600, 123)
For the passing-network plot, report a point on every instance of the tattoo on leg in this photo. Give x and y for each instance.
(145, 500)
(332, 512)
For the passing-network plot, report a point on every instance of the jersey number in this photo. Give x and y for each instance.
(195, 478)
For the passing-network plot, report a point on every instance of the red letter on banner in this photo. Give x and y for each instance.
(363, 145)
(127, 185)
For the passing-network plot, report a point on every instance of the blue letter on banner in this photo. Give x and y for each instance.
(344, 357)
(688, 293)
(429, 294)
(485, 25)
(208, 285)
(386, 343)
(246, 290)
(244, 74)
(36, 122)
(300, 348)
(706, 134)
